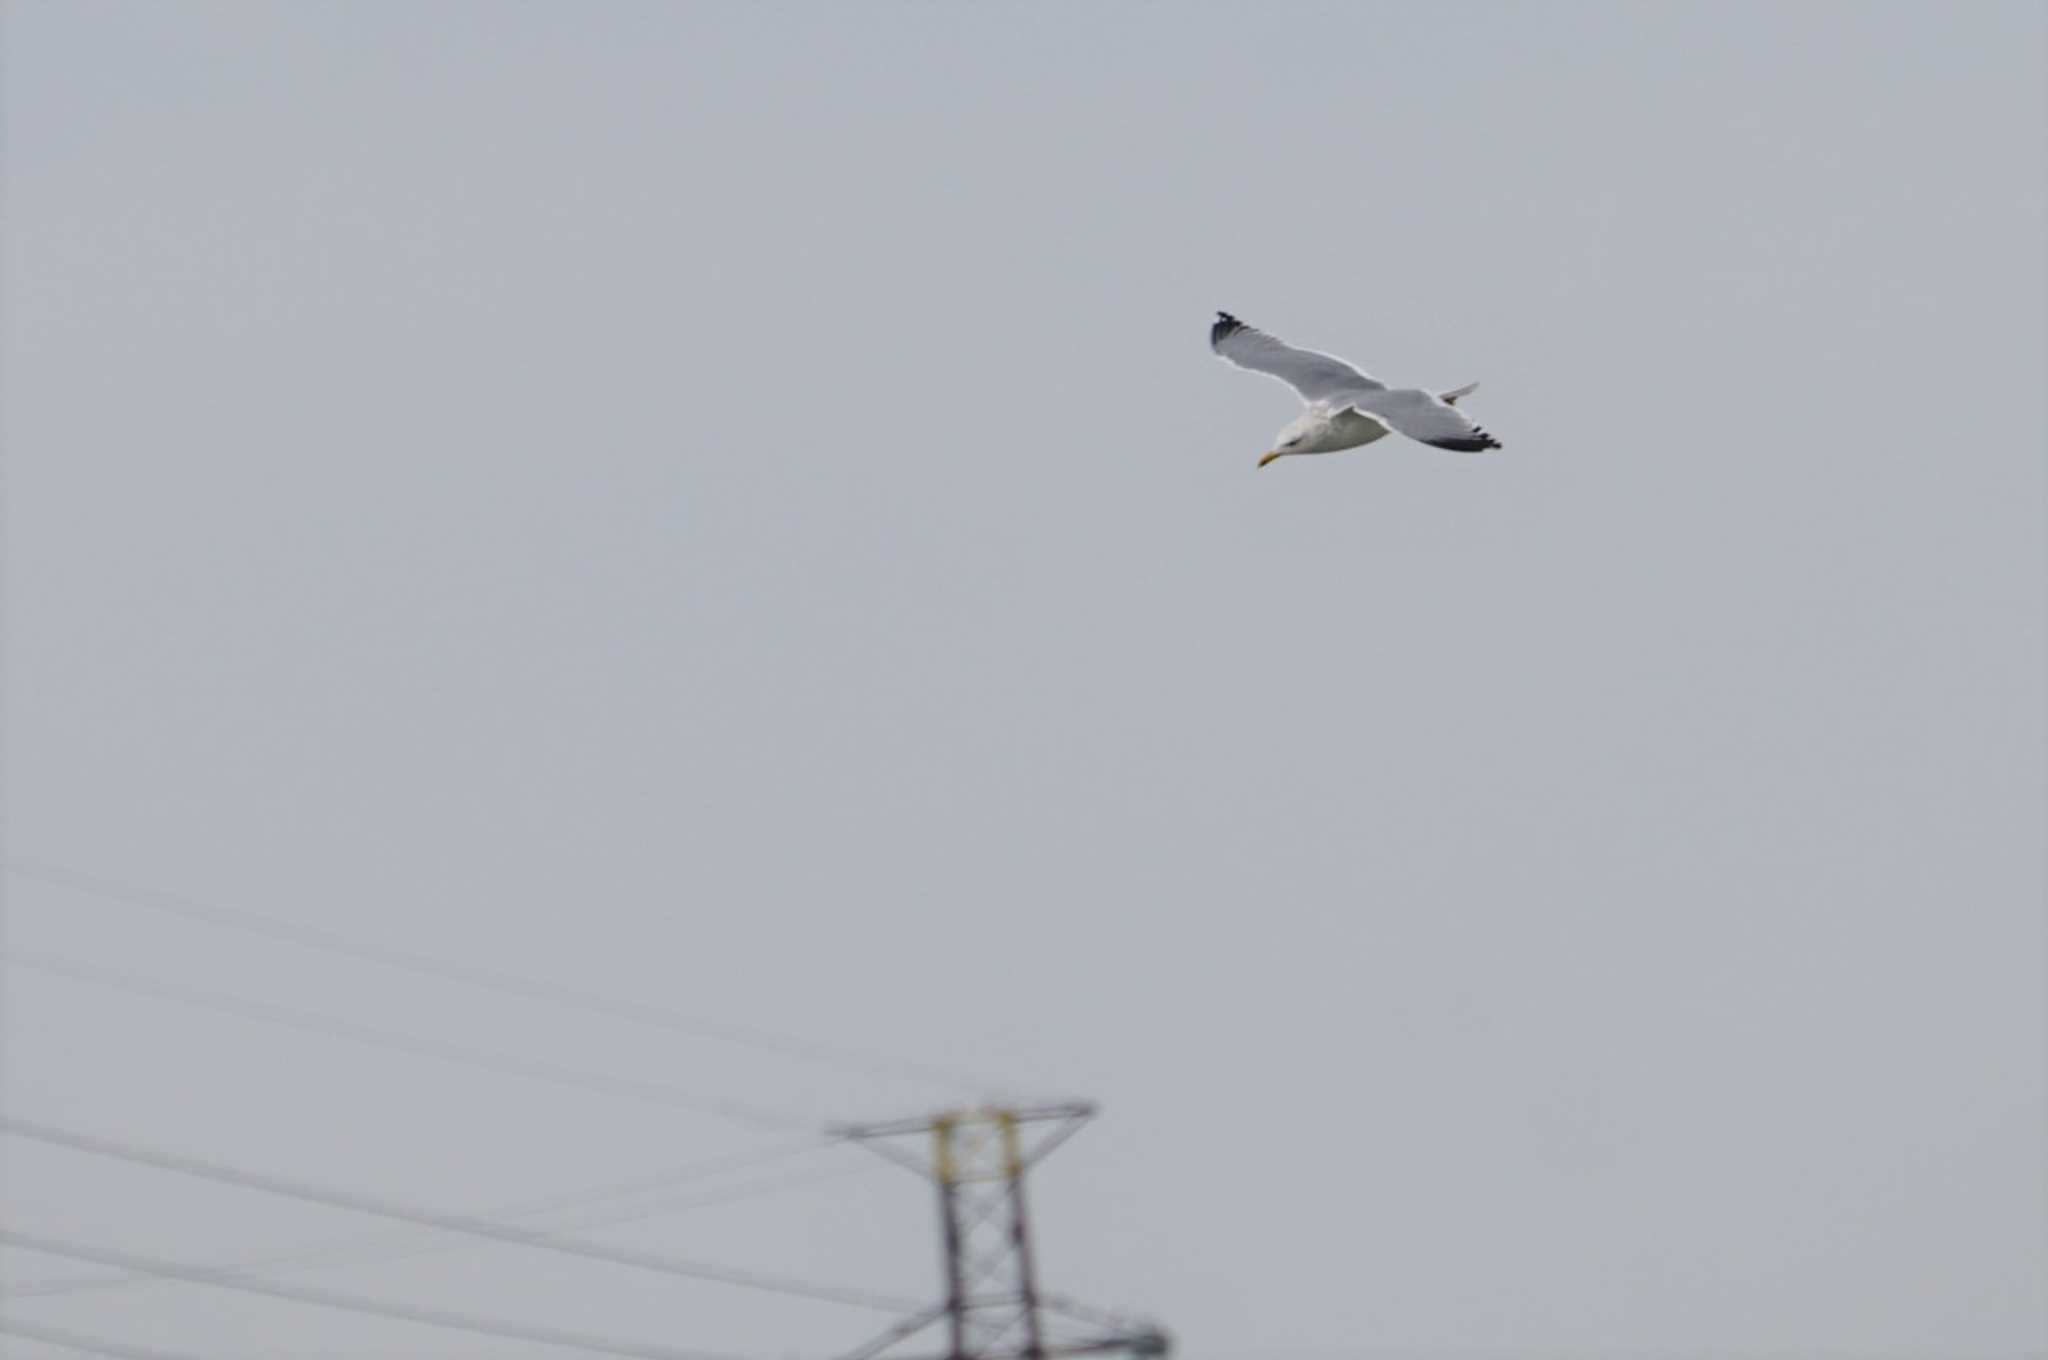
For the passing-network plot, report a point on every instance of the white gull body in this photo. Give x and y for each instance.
(1346, 408)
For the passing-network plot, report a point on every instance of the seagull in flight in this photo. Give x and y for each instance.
(1346, 408)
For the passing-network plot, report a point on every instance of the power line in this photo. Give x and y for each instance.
(459, 1223)
(628, 1087)
(352, 1303)
(72, 1341)
(512, 984)
(635, 1213)
(393, 1245)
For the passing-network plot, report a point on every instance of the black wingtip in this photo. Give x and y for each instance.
(1225, 327)
(1478, 442)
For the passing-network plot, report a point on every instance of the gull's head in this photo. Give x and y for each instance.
(1293, 439)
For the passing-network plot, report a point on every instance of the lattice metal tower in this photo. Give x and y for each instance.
(994, 1309)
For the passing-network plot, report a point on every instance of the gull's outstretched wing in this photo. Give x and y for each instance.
(1431, 419)
(1318, 377)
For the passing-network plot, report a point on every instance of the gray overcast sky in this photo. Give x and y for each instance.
(730, 506)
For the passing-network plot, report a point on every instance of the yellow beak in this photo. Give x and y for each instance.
(1268, 456)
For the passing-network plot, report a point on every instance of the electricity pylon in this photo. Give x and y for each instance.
(994, 1309)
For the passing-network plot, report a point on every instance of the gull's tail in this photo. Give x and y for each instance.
(1450, 398)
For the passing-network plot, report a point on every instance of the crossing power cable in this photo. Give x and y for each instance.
(73, 1341)
(399, 1244)
(424, 1314)
(470, 1225)
(627, 1087)
(511, 984)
